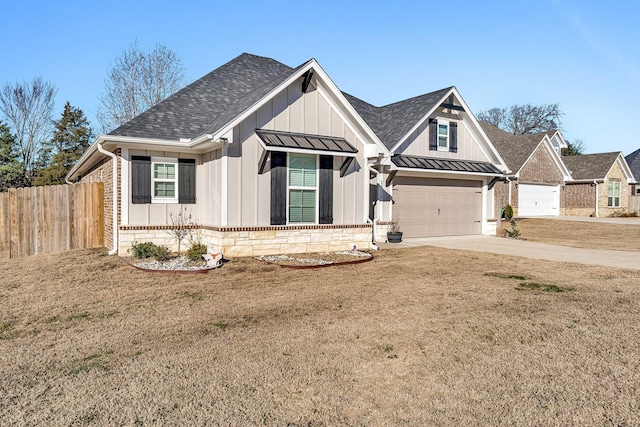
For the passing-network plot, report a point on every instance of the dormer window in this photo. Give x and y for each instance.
(443, 135)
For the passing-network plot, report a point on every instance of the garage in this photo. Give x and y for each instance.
(426, 207)
(538, 200)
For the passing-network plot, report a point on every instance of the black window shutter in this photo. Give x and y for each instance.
(433, 134)
(453, 137)
(325, 197)
(278, 188)
(140, 179)
(186, 181)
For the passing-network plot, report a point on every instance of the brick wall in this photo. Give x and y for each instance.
(617, 175)
(541, 169)
(500, 195)
(103, 172)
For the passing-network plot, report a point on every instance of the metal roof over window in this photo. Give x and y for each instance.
(449, 165)
(288, 141)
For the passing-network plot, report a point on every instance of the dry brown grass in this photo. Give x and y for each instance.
(421, 336)
(579, 234)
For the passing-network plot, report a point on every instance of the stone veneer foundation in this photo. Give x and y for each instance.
(253, 241)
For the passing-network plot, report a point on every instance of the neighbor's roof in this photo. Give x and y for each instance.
(633, 160)
(514, 149)
(451, 165)
(391, 122)
(209, 103)
(590, 166)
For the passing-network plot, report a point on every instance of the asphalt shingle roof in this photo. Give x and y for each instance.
(514, 149)
(633, 160)
(210, 102)
(393, 121)
(590, 166)
(214, 100)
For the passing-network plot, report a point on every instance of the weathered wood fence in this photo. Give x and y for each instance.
(55, 218)
(634, 204)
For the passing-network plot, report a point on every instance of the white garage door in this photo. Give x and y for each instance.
(538, 200)
(427, 207)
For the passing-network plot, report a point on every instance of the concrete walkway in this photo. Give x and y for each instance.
(526, 249)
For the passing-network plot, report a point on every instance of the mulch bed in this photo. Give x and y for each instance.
(317, 260)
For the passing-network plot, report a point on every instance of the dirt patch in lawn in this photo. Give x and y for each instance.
(579, 234)
(418, 336)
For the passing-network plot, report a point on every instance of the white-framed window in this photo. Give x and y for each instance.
(443, 135)
(164, 180)
(613, 199)
(303, 189)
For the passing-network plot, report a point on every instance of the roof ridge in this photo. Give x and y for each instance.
(291, 71)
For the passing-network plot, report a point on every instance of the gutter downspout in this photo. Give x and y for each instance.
(377, 216)
(596, 184)
(509, 196)
(115, 196)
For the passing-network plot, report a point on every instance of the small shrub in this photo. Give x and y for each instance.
(514, 233)
(143, 250)
(507, 212)
(162, 253)
(195, 252)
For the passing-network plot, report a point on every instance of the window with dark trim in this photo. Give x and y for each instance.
(301, 189)
(443, 135)
(162, 180)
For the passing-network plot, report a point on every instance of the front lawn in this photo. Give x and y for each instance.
(422, 336)
(579, 234)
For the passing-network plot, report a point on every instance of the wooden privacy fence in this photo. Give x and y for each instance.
(634, 204)
(40, 220)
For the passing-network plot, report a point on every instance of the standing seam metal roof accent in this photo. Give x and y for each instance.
(304, 141)
(431, 163)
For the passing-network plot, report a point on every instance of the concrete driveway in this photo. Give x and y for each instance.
(526, 249)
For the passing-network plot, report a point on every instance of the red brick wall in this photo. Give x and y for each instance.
(578, 199)
(103, 172)
(541, 169)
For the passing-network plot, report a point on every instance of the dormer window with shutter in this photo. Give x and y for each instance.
(443, 135)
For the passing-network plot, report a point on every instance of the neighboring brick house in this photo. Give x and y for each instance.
(633, 160)
(534, 185)
(601, 184)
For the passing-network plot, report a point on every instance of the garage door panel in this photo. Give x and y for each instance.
(437, 207)
(538, 200)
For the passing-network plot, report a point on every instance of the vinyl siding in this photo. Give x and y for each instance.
(417, 144)
(290, 111)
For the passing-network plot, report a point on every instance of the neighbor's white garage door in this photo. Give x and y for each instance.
(538, 200)
(427, 207)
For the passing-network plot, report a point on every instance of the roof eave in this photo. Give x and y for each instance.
(311, 64)
(199, 144)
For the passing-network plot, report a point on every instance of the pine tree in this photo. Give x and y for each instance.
(10, 169)
(70, 140)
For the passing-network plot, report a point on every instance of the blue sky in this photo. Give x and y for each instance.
(581, 54)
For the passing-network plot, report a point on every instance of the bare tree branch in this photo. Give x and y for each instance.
(136, 82)
(521, 119)
(28, 108)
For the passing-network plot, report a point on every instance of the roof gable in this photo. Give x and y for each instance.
(393, 121)
(633, 160)
(591, 166)
(198, 107)
(514, 149)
